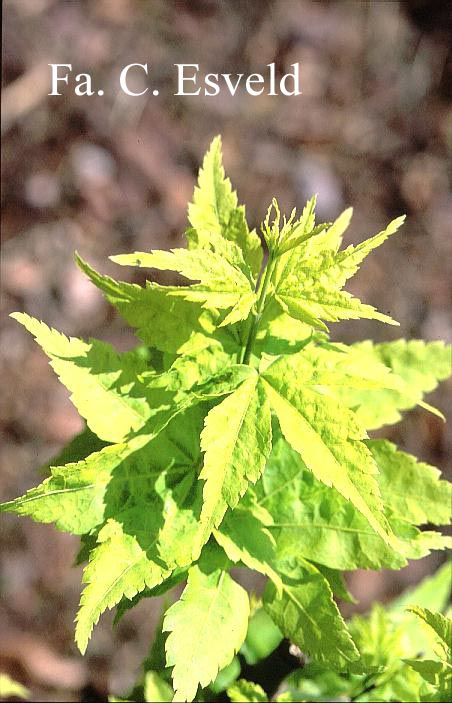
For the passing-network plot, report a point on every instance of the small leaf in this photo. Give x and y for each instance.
(103, 383)
(441, 626)
(12, 689)
(156, 690)
(411, 489)
(215, 210)
(310, 279)
(205, 266)
(418, 366)
(244, 538)
(306, 614)
(118, 567)
(236, 440)
(243, 690)
(164, 322)
(207, 625)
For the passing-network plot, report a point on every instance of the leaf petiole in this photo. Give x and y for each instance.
(262, 292)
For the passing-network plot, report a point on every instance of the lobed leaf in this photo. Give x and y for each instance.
(118, 567)
(184, 407)
(221, 284)
(152, 534)
(73, 497)
(211, 269)
(437, 674)
(441, 626)
(309, 280)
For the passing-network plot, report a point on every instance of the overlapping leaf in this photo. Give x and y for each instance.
(384, 639)
(153, 534)
(171, 325)
(436, 674)
(224, 255)
(418, 365)
(316, 522)
(103, 383)
(221, 284)
(437, 671)
(332, 450)
(118, 567)
(244, 538)
(279, 333)
(441, 625)
(390, 647)
(412, 490)
(236, 440)
(147, 495)
(207, 625)
(306, 613)
(191, 370)
(338, 366)
(73, 497)
(247, 691)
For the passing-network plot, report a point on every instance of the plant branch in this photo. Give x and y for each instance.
(263, 286)
(368, 685)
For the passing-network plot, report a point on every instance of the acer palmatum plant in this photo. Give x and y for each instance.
(235, 434)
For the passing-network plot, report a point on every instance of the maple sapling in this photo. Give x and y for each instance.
(235, 434)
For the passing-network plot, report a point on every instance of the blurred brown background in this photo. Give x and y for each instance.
(109, 174)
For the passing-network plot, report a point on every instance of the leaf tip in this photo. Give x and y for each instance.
(78, 260)
(81, 640)
(20, 317)
(216, 142)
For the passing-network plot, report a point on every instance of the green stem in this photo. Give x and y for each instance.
(263, 288)
(367, 685)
